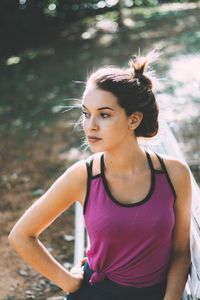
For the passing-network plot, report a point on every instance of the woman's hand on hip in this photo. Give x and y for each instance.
(77, 275)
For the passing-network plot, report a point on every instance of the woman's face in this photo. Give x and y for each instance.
(105, 123)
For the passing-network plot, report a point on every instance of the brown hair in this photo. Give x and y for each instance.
(133, 89)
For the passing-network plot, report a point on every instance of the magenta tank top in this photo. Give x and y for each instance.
(130, 244)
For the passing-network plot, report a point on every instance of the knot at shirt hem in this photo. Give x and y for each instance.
(97, 277)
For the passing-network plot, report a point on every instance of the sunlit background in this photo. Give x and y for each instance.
(47, 50)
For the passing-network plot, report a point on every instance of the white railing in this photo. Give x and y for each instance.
(165, 143)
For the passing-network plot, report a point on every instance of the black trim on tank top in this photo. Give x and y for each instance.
(164, 169)
(96, 176)
(89, 165)
(149, 161)
(150, 192)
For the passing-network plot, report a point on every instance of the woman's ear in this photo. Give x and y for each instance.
(135, 120)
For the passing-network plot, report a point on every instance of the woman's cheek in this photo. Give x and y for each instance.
(84, 125)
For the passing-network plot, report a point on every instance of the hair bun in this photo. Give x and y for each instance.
(139, 66)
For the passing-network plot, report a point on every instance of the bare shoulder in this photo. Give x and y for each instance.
(178, 172)
(77, 171)
(76, 177)
(176, 167)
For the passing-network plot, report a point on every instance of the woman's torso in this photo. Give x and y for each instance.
(130, 242)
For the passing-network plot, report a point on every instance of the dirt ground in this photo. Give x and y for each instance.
(30, 165)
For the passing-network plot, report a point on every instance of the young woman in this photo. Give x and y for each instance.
(136, 203)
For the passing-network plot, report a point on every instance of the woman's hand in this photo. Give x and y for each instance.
(77, 275)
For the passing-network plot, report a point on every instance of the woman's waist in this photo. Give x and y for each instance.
(106, 282)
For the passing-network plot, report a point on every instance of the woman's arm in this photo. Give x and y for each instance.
(67, 189)
(180, 259)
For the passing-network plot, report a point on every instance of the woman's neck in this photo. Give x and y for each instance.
(127, 160)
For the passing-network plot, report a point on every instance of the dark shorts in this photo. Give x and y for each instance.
(110, 290)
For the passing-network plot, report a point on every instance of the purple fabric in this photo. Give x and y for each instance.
(130, 245)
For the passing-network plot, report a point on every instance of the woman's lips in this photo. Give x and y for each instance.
(93, 139)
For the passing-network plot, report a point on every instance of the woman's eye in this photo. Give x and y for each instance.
(86, 114)
(104, 115)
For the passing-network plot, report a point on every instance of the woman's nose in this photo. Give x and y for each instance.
(93, 125)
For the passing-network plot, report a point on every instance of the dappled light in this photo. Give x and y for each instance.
(178, 6)
(43, 71)
(22, 2)
(29, 55)
(106, 25)
(106, 3)
(13, 60)
(183, 78)
(52, 6)
(129, 22)
(89, 34)
(103, 24)
(105, 40)
(111, 2)
(180, 105)
(186, 70)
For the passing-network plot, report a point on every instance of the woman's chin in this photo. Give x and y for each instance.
(95, 149)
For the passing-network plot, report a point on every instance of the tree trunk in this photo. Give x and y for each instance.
(120, 14)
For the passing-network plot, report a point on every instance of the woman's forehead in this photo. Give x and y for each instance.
(94, 97)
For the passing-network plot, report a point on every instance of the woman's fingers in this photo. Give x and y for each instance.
(83, 261)
(76, 269)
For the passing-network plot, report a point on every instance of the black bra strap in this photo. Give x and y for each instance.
(89, 165)
(149, 160)
(102, 164)
(164, 169)
(162, 164)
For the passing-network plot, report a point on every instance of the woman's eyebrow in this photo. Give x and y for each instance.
(100, 108)
(105, 107)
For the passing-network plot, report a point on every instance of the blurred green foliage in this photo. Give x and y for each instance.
(26, 15)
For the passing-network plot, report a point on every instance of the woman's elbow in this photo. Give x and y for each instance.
(14, 238)
(17, 239)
